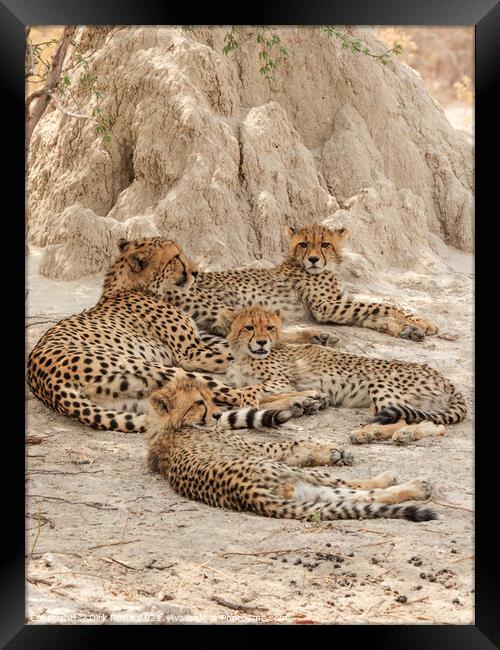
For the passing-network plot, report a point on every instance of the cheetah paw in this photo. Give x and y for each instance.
(361, 436)
(427, 326)
(311, 406)
(412, 333)
(335, 456)
(346, 459)
(403, 436)
(421, 488)
(297, 410)
(324, 339)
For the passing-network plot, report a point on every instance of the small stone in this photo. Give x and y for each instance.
(401, 599)
(448, 337)
(455, 601)
(298, 561)
(328, 544)
(431, 578)
(284, 559)
(163, 596)
(454, 551)
(423, 576)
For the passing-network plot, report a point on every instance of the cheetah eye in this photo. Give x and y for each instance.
(326, 245)
(302, 244)
(271, 328)
(249, 328)
(199, 402)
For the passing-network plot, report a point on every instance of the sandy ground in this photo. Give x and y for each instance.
(108, 542)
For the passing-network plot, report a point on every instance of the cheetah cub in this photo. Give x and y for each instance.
(400, 393)
(275, 479)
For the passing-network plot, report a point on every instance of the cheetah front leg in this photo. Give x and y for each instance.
(306, 453)
(312, 335)
(280, 394)
(378, 316)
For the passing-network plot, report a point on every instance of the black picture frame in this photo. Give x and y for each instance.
(14, 15)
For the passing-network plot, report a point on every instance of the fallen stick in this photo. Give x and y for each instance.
(383, 541)
(112, 559)
(277, 552)
(462, 559)
(452, 505)
(237, 606)
(129, 541)
(35, 581)
(409, 602)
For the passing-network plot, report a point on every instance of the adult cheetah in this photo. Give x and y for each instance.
(304, 284)
(99, 366)
(399, 392)
(275, 479)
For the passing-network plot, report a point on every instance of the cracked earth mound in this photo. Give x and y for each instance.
(202, 151)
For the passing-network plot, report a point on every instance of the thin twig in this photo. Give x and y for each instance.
(63, 110)
(409, 602)
(237, 606)
(39, 528)
(123, 531)
(35, 581)
(445, 504)
(112, 559)
(277, 552)
(462, 559)
(90, 504)
(121, 542)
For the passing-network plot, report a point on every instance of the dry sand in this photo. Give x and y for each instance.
(107, 541)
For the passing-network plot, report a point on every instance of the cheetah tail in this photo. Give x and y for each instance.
(345, 509)
(98, 417)
(251, 418)
(454, 412)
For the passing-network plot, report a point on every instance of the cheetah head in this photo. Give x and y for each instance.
(316, 248)
(187, 403)
(253, 331)
(155, 264)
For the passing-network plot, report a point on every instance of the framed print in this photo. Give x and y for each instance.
(250, 322)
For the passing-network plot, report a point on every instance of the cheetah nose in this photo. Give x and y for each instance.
(313, 260)
(261, 343)
(217, 416)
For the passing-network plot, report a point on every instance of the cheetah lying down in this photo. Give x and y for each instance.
(275, 479)
(277, 374)
(306, 283)
(100, 366)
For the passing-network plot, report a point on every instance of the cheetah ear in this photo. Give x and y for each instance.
(137, 261)
(160, 403)
(123, 244)
(342, 233)
(277, 312)
(289, 231)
